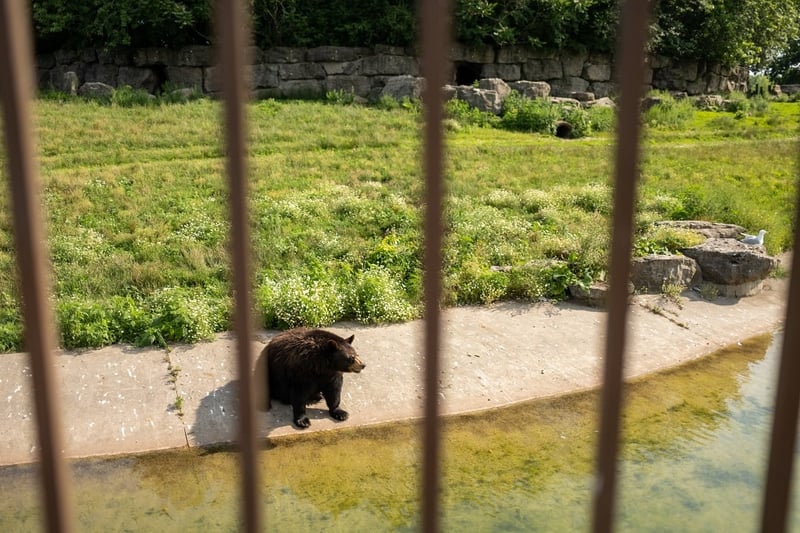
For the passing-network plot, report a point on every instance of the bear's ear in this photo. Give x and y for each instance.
(332, 345)
(349, 340)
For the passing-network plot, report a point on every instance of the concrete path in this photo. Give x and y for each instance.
(122, 399)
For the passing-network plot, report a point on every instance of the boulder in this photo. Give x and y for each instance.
(495, 84)
(737, 269)
(593, 295)
(400, 87)
(709, 101)
(482, 99)
(582, 96)
(70, 83)
(601, 102)
(651, 272)
(531, 89)
(709, 230)
(96, 90)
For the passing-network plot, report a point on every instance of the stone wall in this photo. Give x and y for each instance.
(300, 72)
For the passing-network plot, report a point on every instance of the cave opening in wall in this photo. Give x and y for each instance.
(467, 73)
(160, 72)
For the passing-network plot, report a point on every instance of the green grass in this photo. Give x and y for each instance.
(135, 204)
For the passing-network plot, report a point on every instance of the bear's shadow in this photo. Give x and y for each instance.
(217, 416)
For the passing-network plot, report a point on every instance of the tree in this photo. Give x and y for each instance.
(786, 67)
(732, 32)
(108, 24)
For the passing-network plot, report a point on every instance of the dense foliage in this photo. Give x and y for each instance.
(786, 67)
(110, 24)
(750, 32)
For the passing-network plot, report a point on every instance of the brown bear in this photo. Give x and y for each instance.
(305, 365)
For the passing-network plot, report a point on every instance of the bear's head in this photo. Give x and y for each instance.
(343, 356)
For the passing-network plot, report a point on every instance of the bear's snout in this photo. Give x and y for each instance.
(356, 366)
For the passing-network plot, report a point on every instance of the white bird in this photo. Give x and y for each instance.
(754, 239)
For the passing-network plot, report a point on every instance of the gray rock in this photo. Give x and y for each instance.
(332, 54)
(504, 71)
(566, 86)
(357, 85)
(601, 102)
(582, 96)
(709, 101)
(594, 295)
(400, 87)
(96, 89)
(531, 89)
(484, 100)
(604, 89)
(730, 262)
(138, 78)
(710, 230)
(182, 77)
(597, 71)
(70, 83)
(495, 84)
(651, 272)
(301, 71)
(565, 101)
(543, 69)
(195, 56)
(103, 73)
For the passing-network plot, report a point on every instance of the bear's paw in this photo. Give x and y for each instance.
(339, 414)
(303, 422)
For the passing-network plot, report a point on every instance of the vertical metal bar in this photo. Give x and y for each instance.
(630, 68)
(435, 36)
(232, 33)
(784, 424)
(16, 73)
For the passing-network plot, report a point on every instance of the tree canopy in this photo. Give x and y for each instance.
(743, 32)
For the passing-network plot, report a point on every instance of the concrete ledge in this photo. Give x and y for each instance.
(120, 400)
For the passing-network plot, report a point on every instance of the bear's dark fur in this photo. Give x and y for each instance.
(305, 365)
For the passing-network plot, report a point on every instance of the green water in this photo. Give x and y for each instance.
(693, 459)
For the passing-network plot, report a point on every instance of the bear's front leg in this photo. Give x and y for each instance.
(333, 393)
(299, 411)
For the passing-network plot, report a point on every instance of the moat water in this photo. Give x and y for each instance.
(693, 459)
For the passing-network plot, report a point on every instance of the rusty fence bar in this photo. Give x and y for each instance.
(16, 90)
(784, 425)
(232, 31)
(631, 55)
(435, 40)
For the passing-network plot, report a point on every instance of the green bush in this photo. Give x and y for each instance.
(340, 97)
(476, 284)
(466, 115)
(525, 114)
(578, 119)
(664, 240)
(669, 112)
(602, 119)
(83, 324)
(126, 96)
(556, 279)
(300, 300)
(376, 296)
(182, 315)
(10, 324)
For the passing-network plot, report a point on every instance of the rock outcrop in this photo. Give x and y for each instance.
(652, 272)
(709, 230)
(735, 268)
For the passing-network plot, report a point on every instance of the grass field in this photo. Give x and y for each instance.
(135, 203)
